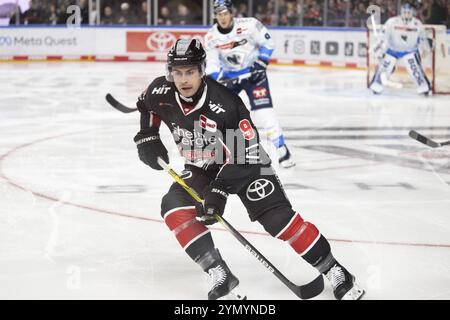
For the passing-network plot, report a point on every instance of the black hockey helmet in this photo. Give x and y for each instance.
(186, 52)
(221, 5)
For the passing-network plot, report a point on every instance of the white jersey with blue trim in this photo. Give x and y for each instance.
(403, 37)
(236, 51)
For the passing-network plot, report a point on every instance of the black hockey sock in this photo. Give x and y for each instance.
(209, 259)
(319, 256)
(200, 248)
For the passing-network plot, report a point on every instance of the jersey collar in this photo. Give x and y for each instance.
(197, 106)
(226, 30)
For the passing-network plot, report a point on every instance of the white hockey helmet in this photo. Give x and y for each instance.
(222, 5)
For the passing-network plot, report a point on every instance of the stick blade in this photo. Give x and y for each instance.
(117, 105)
(310, 290)
(421, 138)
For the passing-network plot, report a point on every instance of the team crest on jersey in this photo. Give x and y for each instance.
(246, 129)
(208, 124)
(260, 93)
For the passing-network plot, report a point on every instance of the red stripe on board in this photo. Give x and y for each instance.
(326, 63)
(53, 58)
(297, 61)
(20, 58)
(121, 58)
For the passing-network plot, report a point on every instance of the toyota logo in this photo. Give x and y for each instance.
(260, 189)
(161, 41)
(5, 41)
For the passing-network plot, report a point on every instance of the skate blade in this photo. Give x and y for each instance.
(354, 293)
(234, 294)
(287, 164)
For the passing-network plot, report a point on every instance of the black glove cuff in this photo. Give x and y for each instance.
(262, 63)
(147, 139)
(141, 138)
(219, 187)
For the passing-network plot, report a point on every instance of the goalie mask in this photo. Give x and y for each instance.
(186, 53)
(407, 13)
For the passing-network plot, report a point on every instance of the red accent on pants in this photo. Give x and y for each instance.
(300, 234)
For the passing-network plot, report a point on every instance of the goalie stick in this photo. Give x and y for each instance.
(429, 142)
(305, 291)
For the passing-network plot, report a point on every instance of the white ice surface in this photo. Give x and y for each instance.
(79, 213)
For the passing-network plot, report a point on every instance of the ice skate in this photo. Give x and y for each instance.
(285, 158)
(376, 87)
(225, 286)
(343, 284)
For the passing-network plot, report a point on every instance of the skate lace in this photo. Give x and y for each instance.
(336, 276)
(217, 276)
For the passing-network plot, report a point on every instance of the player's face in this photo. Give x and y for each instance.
(224, 19)
(187, 80)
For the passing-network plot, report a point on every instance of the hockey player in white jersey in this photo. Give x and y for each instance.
(240, 49)
(403, 35)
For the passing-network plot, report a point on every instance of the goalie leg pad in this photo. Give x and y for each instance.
(415, 70)
(384, 71)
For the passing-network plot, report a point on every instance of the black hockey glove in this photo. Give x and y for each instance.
(258, 70)
(150, 148)
(229, 83)
(215, 200)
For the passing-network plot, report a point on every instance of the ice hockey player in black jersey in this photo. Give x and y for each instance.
(214, 133)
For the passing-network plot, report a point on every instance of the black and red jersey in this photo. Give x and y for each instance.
(215, 134)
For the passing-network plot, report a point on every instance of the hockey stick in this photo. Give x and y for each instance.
(236, 80)
(431, 143)
(305, 291)
(117, 105)
(123, 108)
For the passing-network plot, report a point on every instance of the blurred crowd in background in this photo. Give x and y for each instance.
(334, 13)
